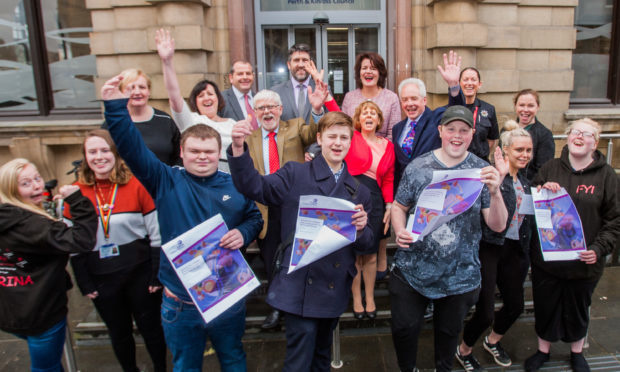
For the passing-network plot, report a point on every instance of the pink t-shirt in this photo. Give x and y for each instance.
(386, 100)
(377, 149)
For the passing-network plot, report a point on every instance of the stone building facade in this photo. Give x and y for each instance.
(515, 44)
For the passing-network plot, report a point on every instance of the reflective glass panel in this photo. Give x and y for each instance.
(338, 61)
(72, 67)
(276, 47)
(591, 56)
(17, 91)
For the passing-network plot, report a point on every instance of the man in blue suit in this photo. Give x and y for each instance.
(294, 91)
(418, 133)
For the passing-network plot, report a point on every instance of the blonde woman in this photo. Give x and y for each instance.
(34, 250)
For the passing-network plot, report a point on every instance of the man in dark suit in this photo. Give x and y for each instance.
(294, 91)
(315, 296)
(239, 98)
(290, 138)
(418, 133)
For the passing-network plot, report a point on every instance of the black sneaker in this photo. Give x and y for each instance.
(578, 362)
(469, 362)
(497, 351)
(534, 362)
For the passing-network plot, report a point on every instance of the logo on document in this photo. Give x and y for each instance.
(225, 197)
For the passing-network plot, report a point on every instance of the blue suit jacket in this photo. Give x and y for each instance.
(321, 289)
(426, 137)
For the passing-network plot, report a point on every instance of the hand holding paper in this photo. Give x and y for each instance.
(360, 218)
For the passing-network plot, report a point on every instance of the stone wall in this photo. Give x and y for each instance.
(124, 36)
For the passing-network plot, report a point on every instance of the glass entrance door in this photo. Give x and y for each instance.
(335, 49)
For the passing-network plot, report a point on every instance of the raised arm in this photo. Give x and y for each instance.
(165, 49)
(451, 71)
(142, 162)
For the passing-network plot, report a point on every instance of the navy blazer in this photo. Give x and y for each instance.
(426, 137)
(321, 289)
(232, 109)
(289, 104)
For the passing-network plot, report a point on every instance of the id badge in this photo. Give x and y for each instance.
(109, 250)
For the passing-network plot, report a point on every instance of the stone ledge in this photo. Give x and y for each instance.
(607, 113)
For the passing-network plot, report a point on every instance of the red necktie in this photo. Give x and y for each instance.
(274, 161)
(250, 111)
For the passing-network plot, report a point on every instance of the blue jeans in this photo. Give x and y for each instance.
(46, 349)
(186, 336)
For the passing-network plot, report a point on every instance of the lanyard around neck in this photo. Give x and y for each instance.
(105, 210)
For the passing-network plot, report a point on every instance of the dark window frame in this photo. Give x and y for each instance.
(613, 77)
(42, 77)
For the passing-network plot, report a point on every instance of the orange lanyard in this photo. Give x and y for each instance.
(105, 211)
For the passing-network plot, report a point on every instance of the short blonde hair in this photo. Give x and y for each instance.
(358, 112)
(596, 126)
(130, 75)
(9, 189)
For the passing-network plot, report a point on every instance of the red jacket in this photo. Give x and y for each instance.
(359, 160)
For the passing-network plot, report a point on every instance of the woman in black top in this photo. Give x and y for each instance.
(485, 119)
(34, 250)
(158, 130)
(527, 104)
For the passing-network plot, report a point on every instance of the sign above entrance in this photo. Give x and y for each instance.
(293, 5)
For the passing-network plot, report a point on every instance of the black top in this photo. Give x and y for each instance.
(161, 136)
(485, 123)
(594, 190)
(543, 148)
(34, 251)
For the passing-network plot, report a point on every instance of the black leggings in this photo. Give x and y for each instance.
(504, 266)
(408, 307)
(121, 296)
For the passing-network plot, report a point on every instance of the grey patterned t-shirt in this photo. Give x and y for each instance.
(446, 262)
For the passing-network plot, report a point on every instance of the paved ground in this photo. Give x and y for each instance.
(369, 347)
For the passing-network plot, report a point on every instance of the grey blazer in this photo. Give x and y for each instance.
(232, 109)
(289, 105)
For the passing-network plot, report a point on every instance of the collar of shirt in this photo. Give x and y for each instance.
(240, 95)
(266, 133)
(338, 173)
(296, 83)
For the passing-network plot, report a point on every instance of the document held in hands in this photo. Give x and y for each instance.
(323, 226)
(558, 225)
(215, 278)
(450, 193)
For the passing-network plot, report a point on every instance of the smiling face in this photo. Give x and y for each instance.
(242, 77)
(296, 65)
(582, 140)
(200, 156)
(369, 120)
(268, 114)
(411, 101)
(519, 153)
(207, 102)
(335, 142)
(369, 74)
(470, 83)
(30, 185)
(455, 139)
(139, 92)
(526, 109)
(99, 157)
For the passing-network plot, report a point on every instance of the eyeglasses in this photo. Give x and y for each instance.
(584, 134)
(266, 107)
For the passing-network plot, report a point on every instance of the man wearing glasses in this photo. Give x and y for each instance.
(274, 144)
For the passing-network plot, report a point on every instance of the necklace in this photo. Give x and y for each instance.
(104, 202)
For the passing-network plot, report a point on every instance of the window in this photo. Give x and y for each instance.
(45, 63)
(595, 59)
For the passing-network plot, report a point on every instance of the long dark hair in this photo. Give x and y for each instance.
(199, 87)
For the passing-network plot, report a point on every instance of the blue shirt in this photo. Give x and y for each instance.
(182, 199)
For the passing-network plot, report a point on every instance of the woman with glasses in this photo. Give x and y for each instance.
(34, 250)
(563, 289)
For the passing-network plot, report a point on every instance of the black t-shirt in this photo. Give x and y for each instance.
(161, 135)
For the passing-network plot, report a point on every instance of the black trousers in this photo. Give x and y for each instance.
(561, 306)
(308, 343)
(123, 295)
(408, 307)
(269, 244)
(501, 265)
